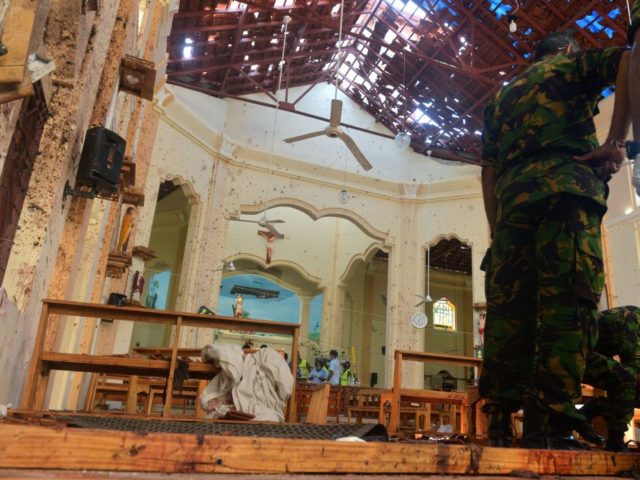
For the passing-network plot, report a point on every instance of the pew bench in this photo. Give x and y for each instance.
(44, 361)
(463, 401)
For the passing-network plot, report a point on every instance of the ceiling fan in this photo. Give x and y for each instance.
(424, 299)
(264, 222)
(334, 131)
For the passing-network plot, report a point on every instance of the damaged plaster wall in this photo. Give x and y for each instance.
(404, 217)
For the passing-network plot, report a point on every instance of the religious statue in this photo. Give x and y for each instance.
(137, 287)
(270, 237)
(238, 310)
(125, 230)
(152, 294)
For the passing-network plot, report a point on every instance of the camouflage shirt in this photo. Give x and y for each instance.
(619, 334)
(537, 122)
(635, 19)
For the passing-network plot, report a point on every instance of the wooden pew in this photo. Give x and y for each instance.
(463, 400)
(42, 362)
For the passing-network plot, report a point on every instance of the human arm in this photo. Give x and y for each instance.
(610, 155)
(330, 376)
(488, 173)
(489, 195)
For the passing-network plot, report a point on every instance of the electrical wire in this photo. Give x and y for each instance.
(281, 64)
(339, 55)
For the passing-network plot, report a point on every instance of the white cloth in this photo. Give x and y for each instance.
(261, 385)
(336, 368)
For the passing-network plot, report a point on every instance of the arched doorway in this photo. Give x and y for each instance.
(450, 327)
(163, 274)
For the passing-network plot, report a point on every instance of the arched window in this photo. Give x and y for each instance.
(444, 314)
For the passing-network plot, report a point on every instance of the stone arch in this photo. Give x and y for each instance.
(364, 257)
(278, 264)
(446, 236)
(316, 214)
(187, 187)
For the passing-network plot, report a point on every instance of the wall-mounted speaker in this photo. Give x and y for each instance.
(101, 160)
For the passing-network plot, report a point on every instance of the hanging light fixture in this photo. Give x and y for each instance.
(513, 26)
(403, 138)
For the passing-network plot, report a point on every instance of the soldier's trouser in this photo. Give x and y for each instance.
(543, 285)
(619, 381)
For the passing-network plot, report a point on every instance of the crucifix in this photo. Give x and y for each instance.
(270, 237)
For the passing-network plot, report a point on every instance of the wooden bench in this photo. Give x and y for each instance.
(463, 400)
(304, 401)
(129, 389)
(43, 362)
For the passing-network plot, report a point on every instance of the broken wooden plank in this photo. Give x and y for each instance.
(26, 446)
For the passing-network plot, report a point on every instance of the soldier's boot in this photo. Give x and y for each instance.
(538, 433)
(561, 436)
(588, 434)
(535, 428)
(500, 431)
(615, 442)
(590, 410)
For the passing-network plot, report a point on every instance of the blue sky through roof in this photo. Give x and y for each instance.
(592, 22)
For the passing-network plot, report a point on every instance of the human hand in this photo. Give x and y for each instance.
(606, 159)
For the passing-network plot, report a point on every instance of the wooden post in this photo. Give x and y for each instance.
(91, 392)
(35, 367)
(394, 419)
(319, 404)
(132, 395)
(168, 398)
(202, 384)
(291, 407)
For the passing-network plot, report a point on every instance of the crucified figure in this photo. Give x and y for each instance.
(270, 237)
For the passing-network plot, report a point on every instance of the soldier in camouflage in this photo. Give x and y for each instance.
(618, 335)
(544, 187)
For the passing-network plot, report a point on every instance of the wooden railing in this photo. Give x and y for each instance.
(462, 399)
(42, 362)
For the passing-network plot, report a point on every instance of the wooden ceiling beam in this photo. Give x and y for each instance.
(273, 60)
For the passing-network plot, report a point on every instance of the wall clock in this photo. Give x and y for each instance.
(419, 320)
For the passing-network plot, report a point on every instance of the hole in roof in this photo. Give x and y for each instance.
(592, 22)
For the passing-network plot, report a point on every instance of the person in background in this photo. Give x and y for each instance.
(303, 369)
(347, 377)
(318, 374)
(335, 369)
(618, 336)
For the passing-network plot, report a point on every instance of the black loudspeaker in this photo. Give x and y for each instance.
(101, 160)
(373, 381)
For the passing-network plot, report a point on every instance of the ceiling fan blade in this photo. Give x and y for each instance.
(305, 136)
(244, 220)
(273, 230)
(351, 145)
(276, 221)
(336, 113)
(418, 304)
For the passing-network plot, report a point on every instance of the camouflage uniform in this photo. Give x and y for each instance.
(635, 20)
(545, 274)
(618, 334)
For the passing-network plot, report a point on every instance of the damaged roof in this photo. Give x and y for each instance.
(427, 67)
